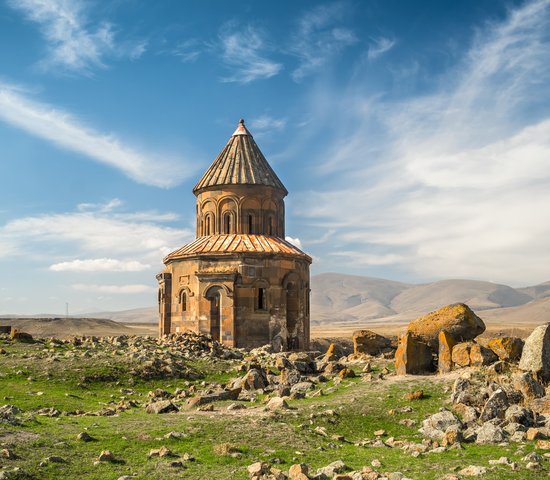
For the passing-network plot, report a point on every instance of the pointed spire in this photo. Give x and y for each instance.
(240, 163)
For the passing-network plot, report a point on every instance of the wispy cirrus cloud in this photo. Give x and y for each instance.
(243, 51)
(319, 38)
(100, 265)
(454, 183)
(68, 132)
(267, 123)
(130, 289)
(379, 46)
(74, 42)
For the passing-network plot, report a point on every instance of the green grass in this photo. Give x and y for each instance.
(363, 407)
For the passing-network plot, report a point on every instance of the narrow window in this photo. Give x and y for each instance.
(270, 226)
(183, 301)
(228, 223)
(262, 299)
(250, 223)
(207, 226)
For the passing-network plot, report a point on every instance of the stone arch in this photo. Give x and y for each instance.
(227, 213)
(208, 217)
(183, 298)
(250, 215)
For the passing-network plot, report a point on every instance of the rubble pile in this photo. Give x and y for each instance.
(485, 409)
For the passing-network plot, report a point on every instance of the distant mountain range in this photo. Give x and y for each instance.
(338, 298)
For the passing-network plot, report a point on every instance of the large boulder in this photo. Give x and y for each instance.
(413, 356)
(365, 341)
(457, 319)
(536, 353)
(506, 348)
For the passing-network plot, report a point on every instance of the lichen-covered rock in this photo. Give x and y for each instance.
(444, 357)
(490, 433)
(529, 387)
(506, 348)
(435, 426)
(457, 319)
(366, 341)
(461, 354)
(481, 356)
(495, 406)
(254, 379)
(413, 356)
(536, 352)
(521, 415)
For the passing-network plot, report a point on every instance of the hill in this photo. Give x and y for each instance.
(66, 327)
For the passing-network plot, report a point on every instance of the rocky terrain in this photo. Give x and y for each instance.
(184, 406)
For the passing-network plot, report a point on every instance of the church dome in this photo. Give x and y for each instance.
(241, 162)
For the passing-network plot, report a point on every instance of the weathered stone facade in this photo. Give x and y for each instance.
(240, 280)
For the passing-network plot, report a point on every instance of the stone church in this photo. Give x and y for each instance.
(240, 280)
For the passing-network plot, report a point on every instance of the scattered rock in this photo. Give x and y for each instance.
(473, 471)
(536, 353)
(506, 348)
(368, 342)
(106, 456)
(164, 406)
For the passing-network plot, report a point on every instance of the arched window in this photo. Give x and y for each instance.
(228, 223)
(183, 301)
(270, 225)
(207, 223)
(250, 223)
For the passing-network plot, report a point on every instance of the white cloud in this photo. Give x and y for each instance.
(380, 46)
(265, 123)
(243, 52)
(294, 241)
(455, 183)
(74, 43)
(318, 39)
(187, 51)
(100, 265)
(66, 131)
(113, 289)
(64, 236)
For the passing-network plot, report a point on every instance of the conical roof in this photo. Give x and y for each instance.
(240, 163)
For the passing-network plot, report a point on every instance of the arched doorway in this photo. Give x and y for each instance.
(292, 312)
(214, 296)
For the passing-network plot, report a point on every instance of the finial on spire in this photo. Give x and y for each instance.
(241, 129)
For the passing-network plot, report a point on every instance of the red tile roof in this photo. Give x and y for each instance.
(230, 244)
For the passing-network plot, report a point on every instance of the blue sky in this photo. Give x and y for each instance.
(414, 137)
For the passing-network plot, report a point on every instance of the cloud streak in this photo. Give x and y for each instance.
(319, 38)
(73, 43)
(68, 132)
(243, 51)
(131, 289)
(456, 183)
(380, 46)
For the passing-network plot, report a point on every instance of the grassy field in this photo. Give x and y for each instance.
(37, 376)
